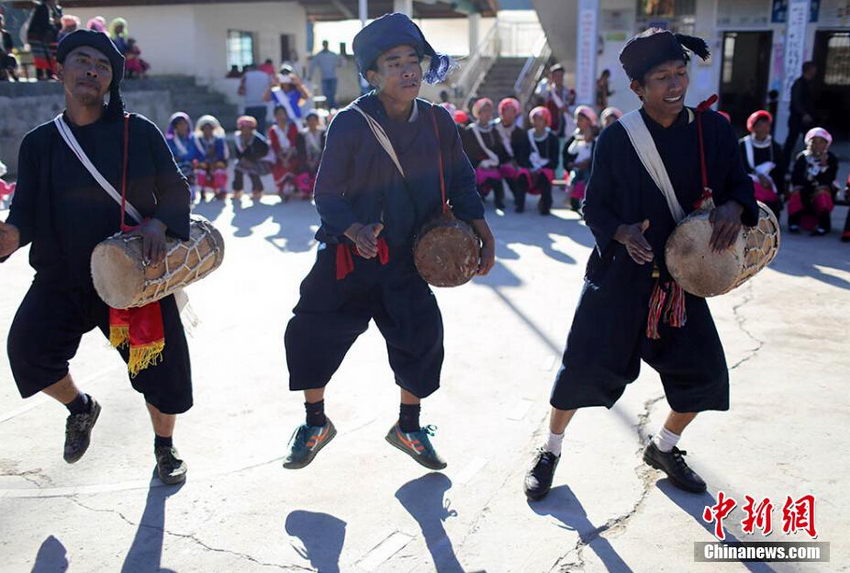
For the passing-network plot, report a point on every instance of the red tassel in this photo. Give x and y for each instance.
(674, 313)
(656, 304)
(383, 251)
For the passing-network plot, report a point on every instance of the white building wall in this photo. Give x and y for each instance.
(192, 39)
(165, 34)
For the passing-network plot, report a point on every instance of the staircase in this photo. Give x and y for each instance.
(501, 78)
(189, 97)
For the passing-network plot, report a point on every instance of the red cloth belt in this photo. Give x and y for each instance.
(345, 257)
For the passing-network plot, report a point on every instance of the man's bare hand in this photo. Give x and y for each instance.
(726, 224)
(636, 244)
(10, 239)
(153, 241)
(365, 238)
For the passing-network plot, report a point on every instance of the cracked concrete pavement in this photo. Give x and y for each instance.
(362, 506)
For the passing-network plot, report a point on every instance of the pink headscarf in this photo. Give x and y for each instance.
(509, 102)
(587, 112)
(547, 115)
(756, 116)
(476, 107)
(818, 132)
(609, 112)
(246, 120)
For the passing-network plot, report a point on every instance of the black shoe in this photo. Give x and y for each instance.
(538, 481)
(819, 232)
(673, 464)
(78, 429)
(170, 469)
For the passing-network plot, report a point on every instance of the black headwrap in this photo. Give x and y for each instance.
(389, 31)
(655, 46)
(100, 42)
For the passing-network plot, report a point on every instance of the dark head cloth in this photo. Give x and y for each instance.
(100, 42)
(389, 31)
(655, 46)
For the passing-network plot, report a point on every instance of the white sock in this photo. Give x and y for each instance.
(553, 443)
(665, 440)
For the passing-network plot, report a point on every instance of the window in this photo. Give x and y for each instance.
(837, 72)
(240, 48)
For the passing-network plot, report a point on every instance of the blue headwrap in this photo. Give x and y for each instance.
(389, 31)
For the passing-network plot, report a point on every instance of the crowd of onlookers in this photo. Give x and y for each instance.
(289, 150)
(45, 28)
(559, 138)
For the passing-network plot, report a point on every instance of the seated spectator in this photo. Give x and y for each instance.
(98, 24)
(543, 159)
(810, 202)
(213, 155)
(234, 72)
(183, 148)
(252, 151)
(578, 153)
(6, 189)
(8, 63)
(762, 159)
(136, 67)
(485, 151)
(283, 139)
(267, 67)
(609, 116)
(69, 24)
(845, 236)
(119, 33)
(311, 145)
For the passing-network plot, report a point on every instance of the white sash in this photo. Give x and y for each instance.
(493, 159)
(537, 162)
(506, 137)
(72, 142)
(648, 153)
(380, 135)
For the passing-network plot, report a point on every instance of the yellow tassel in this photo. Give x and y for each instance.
(119, 336)
(142, 357)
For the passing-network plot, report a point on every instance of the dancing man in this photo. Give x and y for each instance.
(618, 321)
(64, 212)
(370, 215)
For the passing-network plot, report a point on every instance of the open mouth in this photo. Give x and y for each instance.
(91, 85)
(673, 99)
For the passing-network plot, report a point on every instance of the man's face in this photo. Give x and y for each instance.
(399, 73)
(558, 78)
(664, 87)
(86, 75)
(508, 115)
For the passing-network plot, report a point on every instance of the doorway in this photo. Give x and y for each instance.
(832, 83)
(744, 75)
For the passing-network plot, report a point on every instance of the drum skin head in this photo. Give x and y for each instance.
(447, 252)
(692, 263)
(120, 287)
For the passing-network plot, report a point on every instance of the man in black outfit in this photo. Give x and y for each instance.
(802, 110)
(61, 209)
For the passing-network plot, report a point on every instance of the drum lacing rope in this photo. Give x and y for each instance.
(667, 302)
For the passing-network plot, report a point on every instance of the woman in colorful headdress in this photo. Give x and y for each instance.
(812, 195)
(484, 148)
(578, 153)
(762, 158)
(543, 157)
(181, 142)
(213, 155)
(517, 147)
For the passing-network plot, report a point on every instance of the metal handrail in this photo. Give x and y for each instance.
(531, 71)
(478, 64)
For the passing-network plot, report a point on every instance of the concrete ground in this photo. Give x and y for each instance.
(362, 505)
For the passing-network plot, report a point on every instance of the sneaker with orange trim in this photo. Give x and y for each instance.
(417, 445)
(306, 442)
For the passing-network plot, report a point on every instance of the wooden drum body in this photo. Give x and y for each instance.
(124, 280)
(447, 252)
(704, 273)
